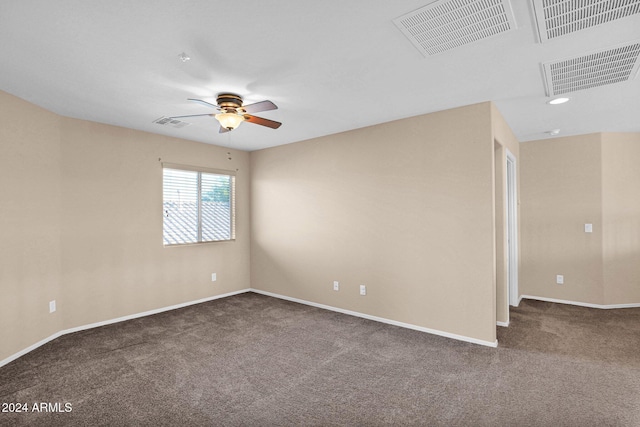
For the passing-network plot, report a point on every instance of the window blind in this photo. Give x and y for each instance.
(197, 206)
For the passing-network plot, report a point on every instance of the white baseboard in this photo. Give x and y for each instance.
(30, 348)
(185, 304)
(503, 324)
(381, 319)
(581, 304)
(108, 322)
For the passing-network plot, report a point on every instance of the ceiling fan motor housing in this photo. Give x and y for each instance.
(229, 101)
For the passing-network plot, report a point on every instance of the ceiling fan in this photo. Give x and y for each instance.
(232, 112)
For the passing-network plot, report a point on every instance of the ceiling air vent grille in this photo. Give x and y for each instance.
(602, 68)
(168, 121)
(556, 18)
(447, 24)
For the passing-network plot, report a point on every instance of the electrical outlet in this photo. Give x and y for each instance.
(214, 277)
(336, 285)
(52, 306)
(588, 228)
(560, 279)
(363, 290)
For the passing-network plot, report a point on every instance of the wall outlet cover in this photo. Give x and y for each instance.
(363, 290)
(336, 285)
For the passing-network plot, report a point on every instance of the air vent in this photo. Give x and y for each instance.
(446, 24)
(556, 18)
(602, 68)
(168, 121)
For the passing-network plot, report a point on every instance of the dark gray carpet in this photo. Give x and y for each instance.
(251, 360)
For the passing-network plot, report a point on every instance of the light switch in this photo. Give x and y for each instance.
(588, 228)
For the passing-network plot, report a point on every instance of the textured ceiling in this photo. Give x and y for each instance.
(330, 66)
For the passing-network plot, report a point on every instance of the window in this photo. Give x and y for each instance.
(198, 205)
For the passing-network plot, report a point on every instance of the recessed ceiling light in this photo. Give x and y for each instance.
(553, 132)
(184, 57)
(557, 101)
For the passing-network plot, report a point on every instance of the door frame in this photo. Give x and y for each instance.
(512, 229)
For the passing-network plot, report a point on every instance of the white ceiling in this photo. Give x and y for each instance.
(330, 66)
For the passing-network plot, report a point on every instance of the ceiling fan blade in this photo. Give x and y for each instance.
(261, 121)
(191, 115)
(260, 106)
(223, 130)
(200, 101)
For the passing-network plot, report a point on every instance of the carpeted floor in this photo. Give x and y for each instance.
(252, 360)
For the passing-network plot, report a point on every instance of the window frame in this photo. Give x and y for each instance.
(232, 202)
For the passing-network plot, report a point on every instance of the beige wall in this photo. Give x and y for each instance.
(83, 225)
(560, 192)
(30, 215)
(566, 183)
(621, 217)
(405, 208)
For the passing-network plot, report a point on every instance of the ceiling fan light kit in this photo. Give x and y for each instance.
(229, 121)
